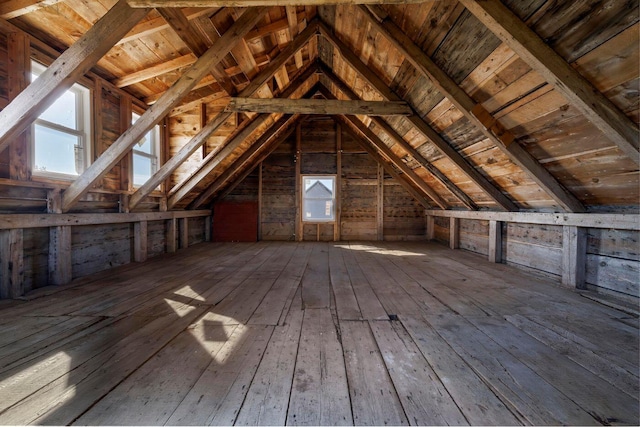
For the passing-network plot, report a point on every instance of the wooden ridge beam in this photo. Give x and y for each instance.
(434, 171)
(596, 107)
(66, 70)
(10, 9)
(423, 127)
(188, 149)
(253, 3)
(215, 157)
(473, 111)
(155, 71)
(196, 43)
(155, 113)
(248, 157)
(386, 152)
(388, 167)
(318, 106)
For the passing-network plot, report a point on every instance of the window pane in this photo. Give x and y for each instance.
(145, 144)
(318, 203)
(56, 151)
(142, 169)
(63, 111)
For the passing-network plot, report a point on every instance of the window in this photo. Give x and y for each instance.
(318, 198)
(60, 135)
(146, 155)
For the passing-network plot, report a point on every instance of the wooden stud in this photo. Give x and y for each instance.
(495, 241)
(298, 189)
(431, 227)
(11, 263)
(171, 235)
(260, 190)
(66, 70)
(184, 233)
(123, 205)
(98, 120)
(154, 71)
(208, 222)
(18, 78)
(126, 164)
(203, 123)
(140, 241)
(59, 258)
(596, 107)
(454, 233)
(574, 256)
(337, 224)
(154, 114)
(380, 203)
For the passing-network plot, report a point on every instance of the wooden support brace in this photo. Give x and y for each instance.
(184, 233)
(380, 203)
(11, 263)
(454, 233)
(431, 224)
(298, 160)
(59, 264)
(495, 241)
(172, 225)
(574, 254)
(207, 228)
(140, 241)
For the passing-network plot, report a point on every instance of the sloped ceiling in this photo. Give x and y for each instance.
(459, 139)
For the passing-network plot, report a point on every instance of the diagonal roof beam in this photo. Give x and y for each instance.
(156, 112)
(215, 157)
(276, 133)
(423, 127)
(434, 171)
(250, 3)
(188, 149)
(155, 71)
(10, 9)
(388, 167)
(66, 70)
(473, 111)
(178, 21)
(596, 107)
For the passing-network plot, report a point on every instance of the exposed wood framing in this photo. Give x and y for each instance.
(183, 238)
(574, 256)
(298, 185)
(473, 111)
(156, 70)
(435, 172)
(253, 3)
(337, 225)
(260, 191)
(454, 232)
(10, 9)
(396, 161)
(154, 114)
(140, 241)
(495, 241)
(18, 71)
(65, 70)
(11, 263)
(431, 227)
(196, 43)
(424, 128)
(318, 106)
(597, 108)
(59, 256)
(188, 149)
(380, 203)
(171, 234)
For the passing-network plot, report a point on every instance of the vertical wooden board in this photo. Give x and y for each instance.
(374, 400)
(615, 274)
(219, 392)
(473, 236)
(475, 399)
(320, 393)
(315, 280)
(346, 304)
(11, 263)
(424, 398)
(59, 264)
(151, 394)
(99, 247)
(156, 242)
(368, 301)
(36, 254)
(268, 396)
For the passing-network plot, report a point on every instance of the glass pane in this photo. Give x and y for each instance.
(56, 151)
(146, 143)
(318, 187)
(142, 169)
(318, 204)
(63, 111)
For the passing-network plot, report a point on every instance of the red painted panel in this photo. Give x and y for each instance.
(235, 222)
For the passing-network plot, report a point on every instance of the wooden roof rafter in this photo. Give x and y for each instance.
(596, 107)
(155, 113)
(473, 111)
(423, 127)
(10, 9)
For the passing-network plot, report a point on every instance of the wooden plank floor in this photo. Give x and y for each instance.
(317, 334)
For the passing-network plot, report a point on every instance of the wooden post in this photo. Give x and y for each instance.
(495, 241)
(124, 203)
(337, 223)
(11, 263)
(18, 71)
(140, 241)
(259, 201)
(454, 233)
(59, 258)
(431, 230)
(298, 160)
(184, 233)
(574, 254)
(171, 235)
(207, 228)
(380, 203)
(126, 164)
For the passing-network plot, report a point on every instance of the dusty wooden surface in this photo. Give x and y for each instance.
(317, 333)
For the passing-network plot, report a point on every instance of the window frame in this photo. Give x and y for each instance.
(331, 220)
(155, 154)
(83, 112)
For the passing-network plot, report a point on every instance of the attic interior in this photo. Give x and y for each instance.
(339, 212)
